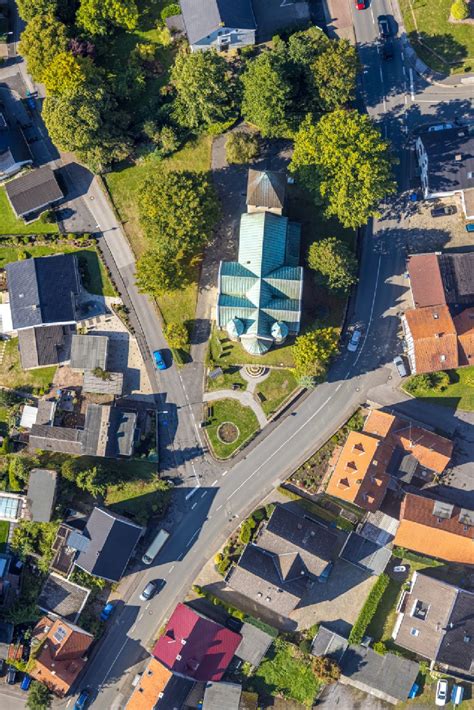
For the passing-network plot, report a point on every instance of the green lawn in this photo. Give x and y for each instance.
(229, 410)
(444, 46)
(226, 353)
(276, 388)
(14, 377)
(4, 530)
(225, 381)
(9, 224)
(141, 497)
(458, 395)
(96, 278)
(285, 672)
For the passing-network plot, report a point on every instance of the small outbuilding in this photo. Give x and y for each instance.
(33, 192)
(41, 494)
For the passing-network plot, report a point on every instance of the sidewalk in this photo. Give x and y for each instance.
(339, 20)
(245, 398)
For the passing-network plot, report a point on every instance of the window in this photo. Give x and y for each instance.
(414, 632)
(442, 358)
(470, 175)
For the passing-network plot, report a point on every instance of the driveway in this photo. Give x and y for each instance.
(344, 696)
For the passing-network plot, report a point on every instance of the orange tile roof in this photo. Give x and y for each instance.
(464, 324)
(357, 477)
(420, 529)
(60, 657)
(153, 682)
(431, 450)
(378, 423)
(425, 280)
(434, 338)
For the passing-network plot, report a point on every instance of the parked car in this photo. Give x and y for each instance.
(159, 360)
(443, 211)
(360, 4)
(83, 699)
(400, 568)
(107, 611)
(441, 692)
(233, 624)
(400, 365)
(26, 682)
(470, 227)
(11, 675)
(384, 26)
(440, 127)
(354, 341)
(151, 589)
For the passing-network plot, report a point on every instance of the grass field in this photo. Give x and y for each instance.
(459, 394)
(9, 224)
(14, 377)
(141, 496)
(226, 380)
(276, 388)
(228, 410)
(96, 281)
(446, 47)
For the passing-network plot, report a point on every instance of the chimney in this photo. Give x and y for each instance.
(458, 157)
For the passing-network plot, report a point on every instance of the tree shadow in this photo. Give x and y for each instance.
(439, 51)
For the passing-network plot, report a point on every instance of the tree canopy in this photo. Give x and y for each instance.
(335, 262)
(345, 164)
(312, 351)
(66, 73)
(241, 147)
(158, 272)
(205, 90)
(39, 697)
(335, 74)
(96, 16)
(41, 41)
(177, 335)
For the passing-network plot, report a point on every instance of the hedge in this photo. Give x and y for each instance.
(369, 609)
(403, 554)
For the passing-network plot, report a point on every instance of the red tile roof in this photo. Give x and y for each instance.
(196, 647)
(425, 280)
(434, 338)
(464, 324)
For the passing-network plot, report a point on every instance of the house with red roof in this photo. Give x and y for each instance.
(195, 647)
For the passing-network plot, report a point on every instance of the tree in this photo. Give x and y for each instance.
(344, 163)
(63, 9)
(177, 335)
(157, 273)
(19, 469)
(66, 73)
(460, 10)
(205, 90)
(96, 16)
(88, 123)
(69, 469)
(326, 669)
(101, 374)
(335, 262)
(82, 48)
(39, 697)
(92, 481)
(335, 74)
(241, 147)
(268, 93)
(42, 40)
(313, 350)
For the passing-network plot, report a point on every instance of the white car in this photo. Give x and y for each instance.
(442, 692)
(400, 365)
(440, 127)
(400, 568)
(354, 341)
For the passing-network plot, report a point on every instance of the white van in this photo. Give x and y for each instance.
(158, 542)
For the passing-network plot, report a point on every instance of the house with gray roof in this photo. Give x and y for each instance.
(254, 645)
(61, 597)
(222, 696)
(218, 24)
(41, 494)
(43, 346)
(89, 352)
(259, 295)
(366, 554)
(266, 191)
(33, 191)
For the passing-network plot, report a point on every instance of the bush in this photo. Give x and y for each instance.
(436, 381)
(326, 669)
(170, 10)
(246, 530)
(241, 147)
(380, 647)
(369, 609)
(48, 216)
(460, 10)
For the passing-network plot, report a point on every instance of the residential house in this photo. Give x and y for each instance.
(365, 554)
(106, 544)
(388, 677)
(41, 494)
(222, 696)
(435, 620)
(436, 528)
(62, 598)
(446, 160)
(43, 295)
(15, 153)
(159, 689)
(89, 353)
(34, 191)
(266, 191)
(439, 330)
(389, 451)
(218, 24)
(254, 645)
(288, 554)
(60, 650)
(195, 647)
(108, 431)
(259, 295)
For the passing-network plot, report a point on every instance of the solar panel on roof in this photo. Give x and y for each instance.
(60, 634)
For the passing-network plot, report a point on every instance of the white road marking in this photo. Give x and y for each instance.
(68, 702)
(140, 617)
(133, 627)
(225, 473)
(218, 508)
(371, 311)
(372, 13)
(204, 494)
(147, 605)
(412, 85)
(193, 506)
(381, 73)
(180, 556)
(192, 538)
(192, 492)
(214, 483)
(172, 568)
(113, 663)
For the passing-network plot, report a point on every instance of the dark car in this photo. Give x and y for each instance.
(83, 699)
(443, 211)
(388, 49)
(11, 675)
(233, 624)
(384, 26)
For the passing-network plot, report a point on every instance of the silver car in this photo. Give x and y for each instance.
(400, 365)
(354, 341)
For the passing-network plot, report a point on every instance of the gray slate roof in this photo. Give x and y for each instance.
(33, 191)
(41, 494)
(445, 173)
(89, 352)
(222, 696)
(56, 438)
(42, 290)
(112, 541)
(457, 647)
(121, 432)
(329, 643)
(366, 554)
(202, 17)
(266, 188)
(45, 345)
(62, 597)
(254, 645)
(112, 385)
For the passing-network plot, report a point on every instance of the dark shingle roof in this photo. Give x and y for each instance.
(89, 352)
(202, 17)
(41, 494)
(457, 647)
(121, 432)
(42, 290)
(389, 674)
(56, 438)
(445, 172)
(42, 346)
(33, 191)
(112, 541)
(62, 597)
(266, 188)
(366, 554)
(254, 645)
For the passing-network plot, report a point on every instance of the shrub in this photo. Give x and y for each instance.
(326, 669)
(460, 10)
(369, 609)
(241, 147)
(170, 10)
(380, 647)
(48, 216)
(436, 381)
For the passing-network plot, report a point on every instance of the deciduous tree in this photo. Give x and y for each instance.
(39, 697)
(177, 335)
(66, 73)
(92, 480)
(96, 16)
(335, 262)
(241, 147)
(42, 40)
(157, 273)
(335, 74)
(343, 161)
(313, 350)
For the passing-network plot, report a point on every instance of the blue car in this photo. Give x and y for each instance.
(82, 700)
(159, 360)
(107, 611)
(26, 682)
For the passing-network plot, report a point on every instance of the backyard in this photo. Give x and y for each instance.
(229, 426)
(459, 393)
(14, 377)
(445, 46)
(9, 224)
